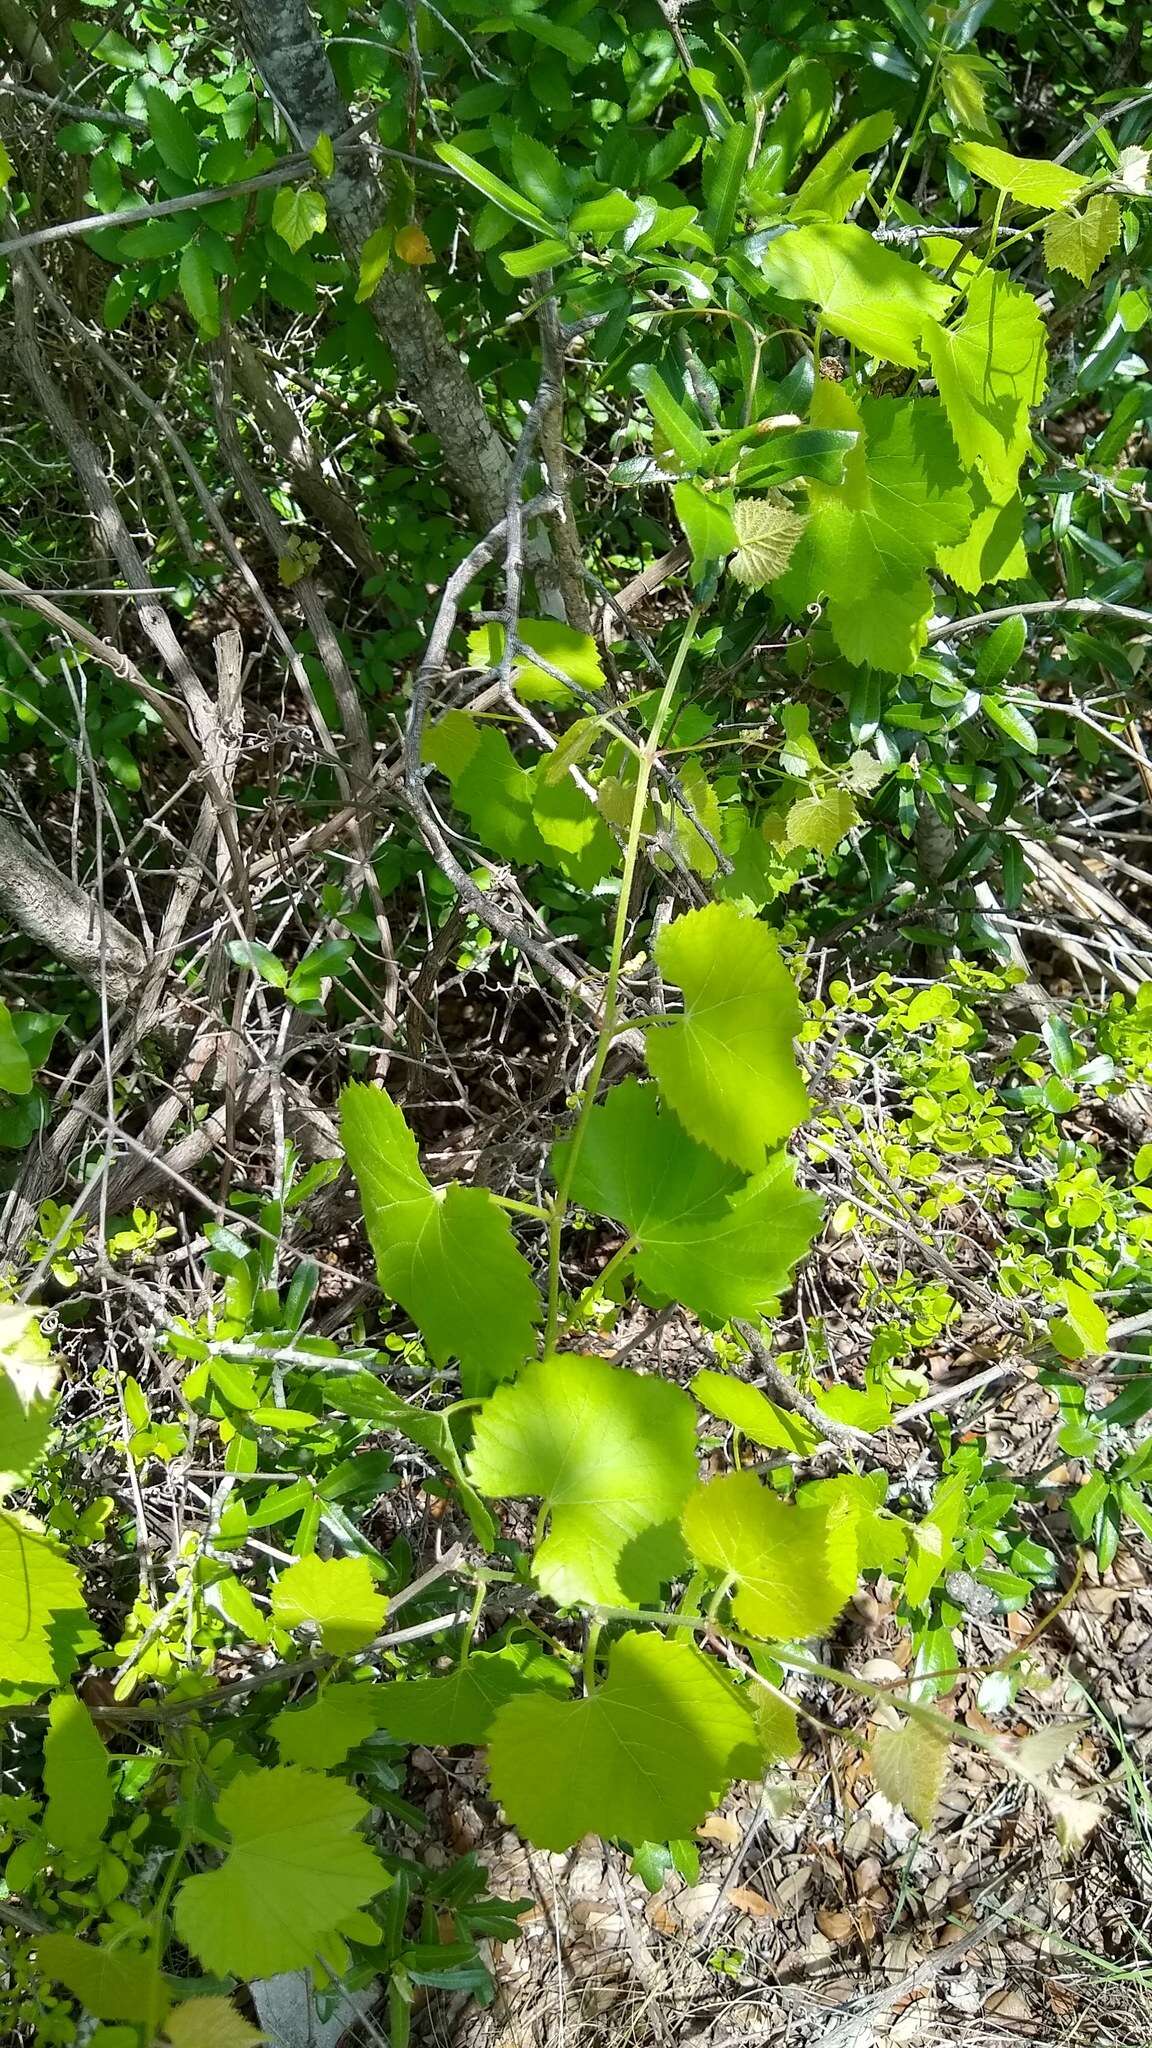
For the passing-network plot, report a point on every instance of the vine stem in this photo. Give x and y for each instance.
(648, 755)
(591, 1644)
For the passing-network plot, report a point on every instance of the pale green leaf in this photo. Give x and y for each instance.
(992, 550)
(788, 1579)
(576, 838)
(990, 368)
(28, 1374)
(447, 1255)
(1131, 171)
(723, 1245)
(324, 1731)
(210, 2023)
(908, 1764)
(1082, 1331)
(110, 1983)
(77, 1779)
(932, 1542)
(871, 539)
(375, 257)
(1079, 242)
(43, 1621)
(727, 1066)
(707, 523)
(867, 293)
(820, 823)
(767, 530)
(573, 654)
(296, 1869)
(15, 1065)
(753, 1414)
(323, 155)
(612, 1456)
(199, 290)
(832, 187)
(298, 213)
(965, 79)
(336, 1595)
(880, 1540)
(1031, 180)
(8, 169)
(645, 1757)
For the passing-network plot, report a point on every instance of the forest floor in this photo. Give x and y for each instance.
(821, 1914)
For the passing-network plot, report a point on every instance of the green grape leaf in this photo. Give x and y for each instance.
(645, 1757)
(211, 2022)
(325, 1731)
(775, 1725)
(447, 1255)
(296, 1870)
(768, 530)
(1079, 242)
(820, 823)
(612, 1456)
(881, 1540)
(865, 292)
(28, 1376)
(15, 1065)
(871, 539)
(992, 550)
(1030, 179)
(77, 1779)
(489, 785)
(727, 1066)
(705, 1236)
(577, 840)
(753, 1414)
(574, 654)
(908, 1764)
(990, 368)
(111, 1984)
(298, 213)
(707, 523)
(43, 1621)
(790, 1579)
(337, 1595)
(460, 1708)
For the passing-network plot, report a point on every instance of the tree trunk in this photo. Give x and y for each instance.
(289, 53)
(49, 908)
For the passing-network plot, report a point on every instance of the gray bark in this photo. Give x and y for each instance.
(49, 907)
(289, 53)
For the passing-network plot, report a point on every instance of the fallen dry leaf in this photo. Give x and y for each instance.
(746, 1900)
(837, 1925)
